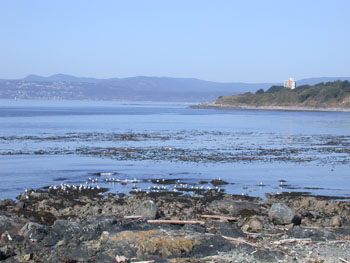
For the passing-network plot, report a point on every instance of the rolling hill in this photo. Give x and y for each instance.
(67, 87)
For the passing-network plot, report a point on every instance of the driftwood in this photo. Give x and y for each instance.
(240, 241)
(227, 218)
(343, 260)
(180, 222)
(292, 240)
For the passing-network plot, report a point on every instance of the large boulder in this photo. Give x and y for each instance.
(281, 214)
(147, 209)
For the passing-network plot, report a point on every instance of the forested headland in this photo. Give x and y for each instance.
(334, 94)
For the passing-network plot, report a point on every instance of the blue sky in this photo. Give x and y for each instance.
(226, 41)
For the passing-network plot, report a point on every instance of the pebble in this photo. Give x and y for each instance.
(336, 221)
(28, 257)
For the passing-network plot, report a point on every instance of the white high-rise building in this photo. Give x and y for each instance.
(290, 83)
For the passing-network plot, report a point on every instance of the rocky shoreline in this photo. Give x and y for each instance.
(91, 225)
(272, 108)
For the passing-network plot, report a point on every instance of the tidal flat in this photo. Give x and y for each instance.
(44, 143)
(190, 157)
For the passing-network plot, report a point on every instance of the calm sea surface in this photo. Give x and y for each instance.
(53, 142)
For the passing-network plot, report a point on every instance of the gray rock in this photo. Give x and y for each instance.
(233, 208)
(147, 209)
(34, 231)
(225, 229)
(281, 214)
(91, 229)
(268, 256)
(314, 233)
(5, 225)
(20, 205)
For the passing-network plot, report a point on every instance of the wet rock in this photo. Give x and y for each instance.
(218, 182)
(211, 245)
(316, 234)
(147, 209)
(281, 214)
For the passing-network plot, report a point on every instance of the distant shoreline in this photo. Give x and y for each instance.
(270, 108)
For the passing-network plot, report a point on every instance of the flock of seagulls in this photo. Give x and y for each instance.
(92, 184)
(181, 188)
(177, 187)
(67, 188)
(64, 188)
(160, 185)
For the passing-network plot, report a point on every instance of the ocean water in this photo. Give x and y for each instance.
(52, 142)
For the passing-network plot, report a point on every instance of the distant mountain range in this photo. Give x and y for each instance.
(61, 86)
(313, 81)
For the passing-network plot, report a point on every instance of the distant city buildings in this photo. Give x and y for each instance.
(290, 83)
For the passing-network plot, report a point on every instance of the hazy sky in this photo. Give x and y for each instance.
(228, 41)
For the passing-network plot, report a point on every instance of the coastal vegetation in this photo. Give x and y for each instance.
(334, 94)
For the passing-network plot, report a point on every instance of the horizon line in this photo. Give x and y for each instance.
(144, 76)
